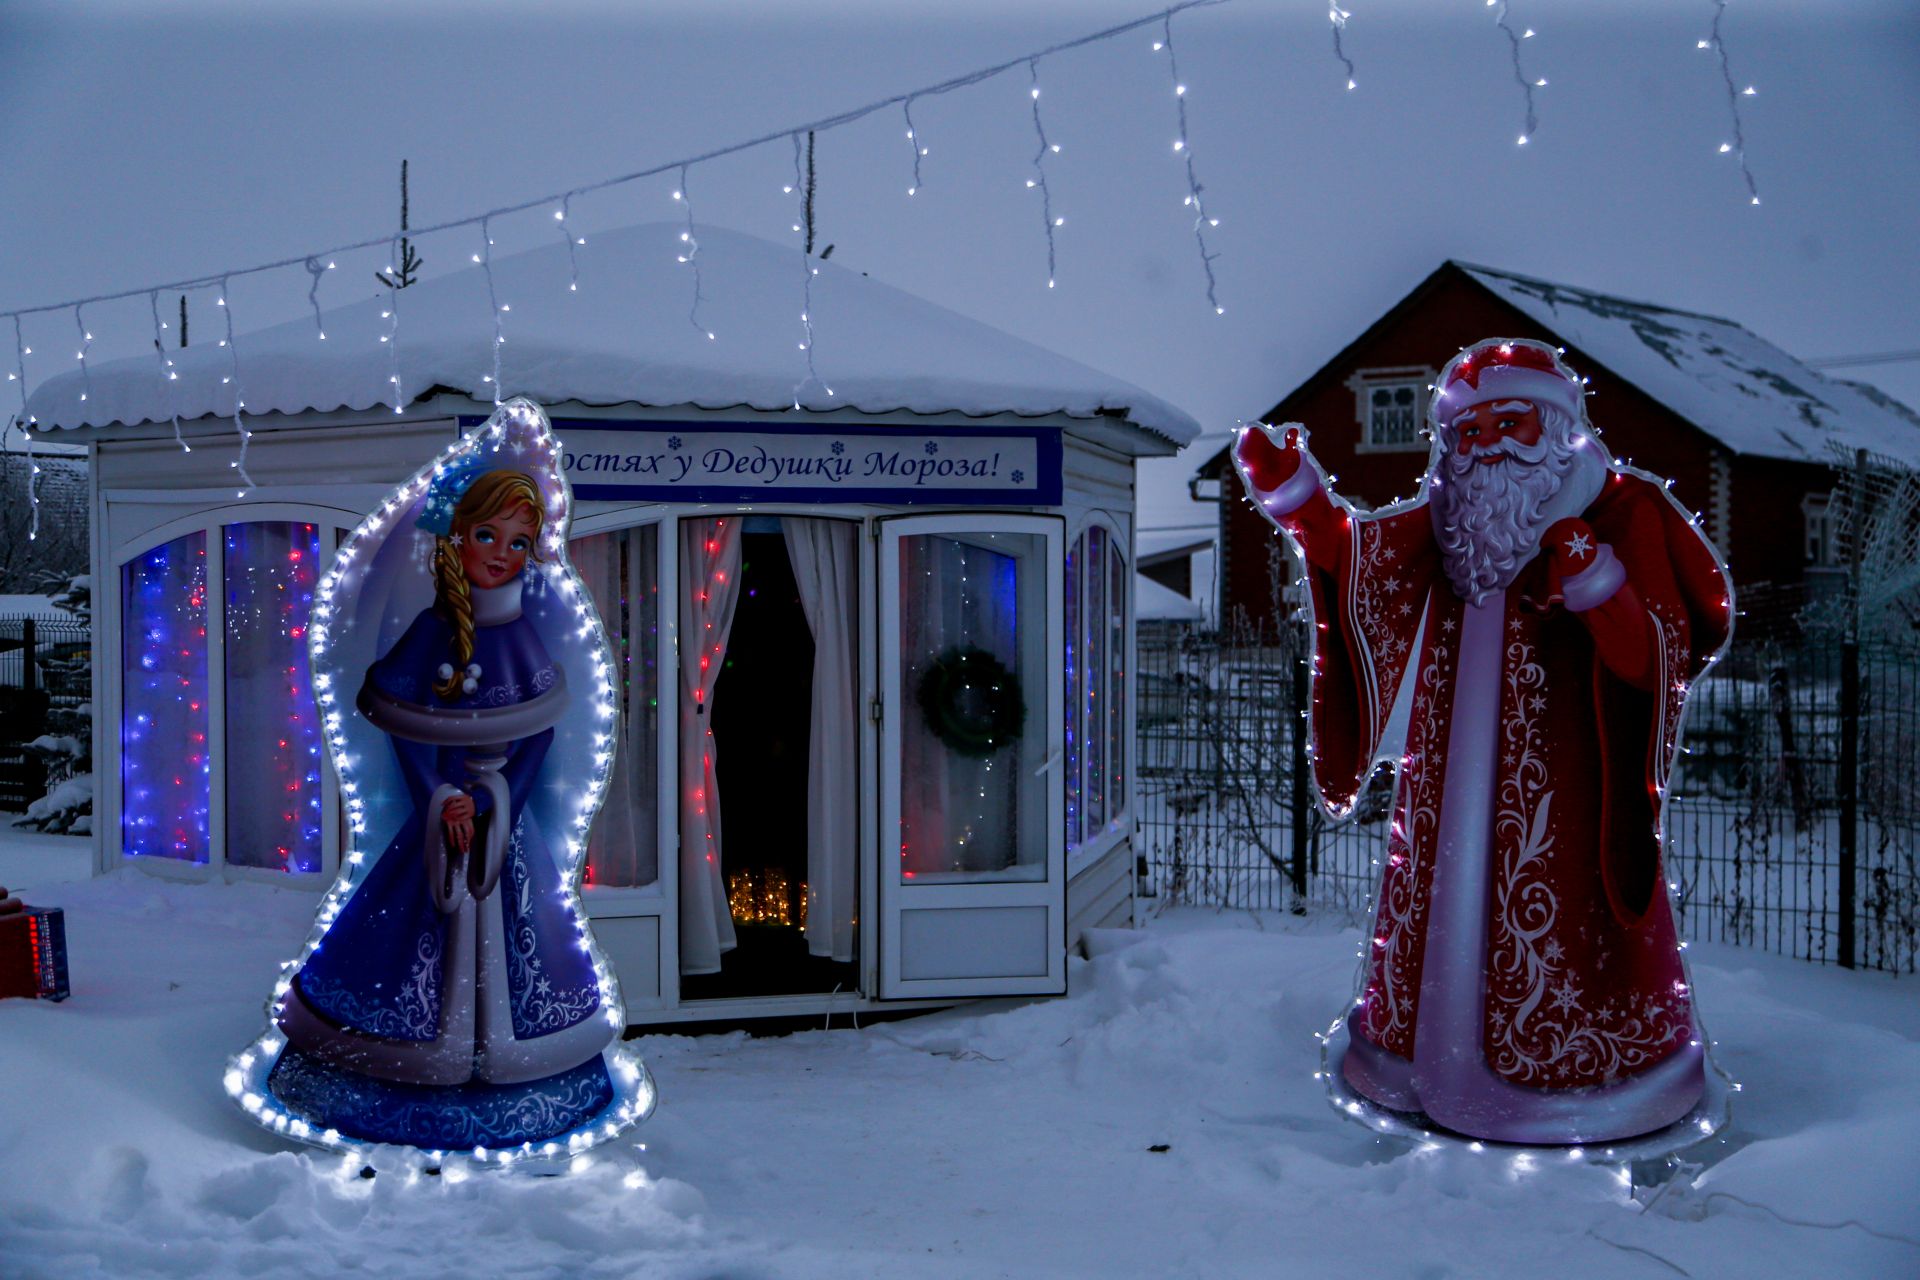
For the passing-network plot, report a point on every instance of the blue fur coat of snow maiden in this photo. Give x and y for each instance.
(453, 1002)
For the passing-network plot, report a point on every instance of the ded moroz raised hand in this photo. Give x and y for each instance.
(1267, 465)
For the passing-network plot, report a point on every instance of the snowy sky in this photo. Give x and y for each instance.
(142, 144)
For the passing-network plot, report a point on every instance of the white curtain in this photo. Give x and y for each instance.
(823, 553)
(621, 847)
(709, 589)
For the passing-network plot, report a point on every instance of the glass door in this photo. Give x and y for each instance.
(973, 877)
(627, 884)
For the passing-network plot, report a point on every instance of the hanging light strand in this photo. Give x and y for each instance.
(1183, 147)
(316, 269)
(1039, 178)
(798, 190)
(1526, 83)
(913, 141)
(836, 121)
(239, 398)
(26, 420)
(86, 344)
(571, 240)
(690, 253)
(485, 259)
(392, 336)
(168, 375)
(1738, 147)
(1337, 18)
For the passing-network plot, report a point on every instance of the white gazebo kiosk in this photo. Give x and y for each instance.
(804, 816)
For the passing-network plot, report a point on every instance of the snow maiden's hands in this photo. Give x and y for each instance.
(457, 816)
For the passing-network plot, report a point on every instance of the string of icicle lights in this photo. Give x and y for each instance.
(314, 264)
(1527, 83)
(561, 200)
(1737, 147)
(1337, 17)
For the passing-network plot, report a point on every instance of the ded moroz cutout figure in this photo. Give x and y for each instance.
(451, 998)
(1551, 608)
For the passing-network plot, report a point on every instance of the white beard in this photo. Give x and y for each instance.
(1488, 517)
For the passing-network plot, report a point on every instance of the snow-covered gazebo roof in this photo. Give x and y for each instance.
(1739, 388)
(625, 336)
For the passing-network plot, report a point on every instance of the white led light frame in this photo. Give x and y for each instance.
(521, 427)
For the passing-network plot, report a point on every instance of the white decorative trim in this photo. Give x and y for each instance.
(1595, 584)
(1720, 504)
(461, 726)
(446, 873)
(1507, 382)
(1364, 382)
(493, 606)
(447, 1059)
(1455, 1084)
(1293, 493)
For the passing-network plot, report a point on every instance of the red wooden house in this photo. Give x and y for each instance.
(1749, 435)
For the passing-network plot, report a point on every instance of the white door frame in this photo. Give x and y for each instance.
(1050, 893)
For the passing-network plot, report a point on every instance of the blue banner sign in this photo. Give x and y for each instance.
(665, 461)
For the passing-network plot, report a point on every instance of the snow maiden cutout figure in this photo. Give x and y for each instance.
(1522, 981)
(451, 998)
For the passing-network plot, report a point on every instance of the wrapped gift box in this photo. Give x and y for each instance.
(33, 950)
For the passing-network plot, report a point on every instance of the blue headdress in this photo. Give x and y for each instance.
(450, 484)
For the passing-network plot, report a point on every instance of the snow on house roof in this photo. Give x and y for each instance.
(1156, 602)
(1153, 545)
(1735, 386)
(626, 336)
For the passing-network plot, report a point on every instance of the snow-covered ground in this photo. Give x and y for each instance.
(1002, 1140)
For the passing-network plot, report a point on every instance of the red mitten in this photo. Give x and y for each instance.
(1572, 545)
(1267, 465)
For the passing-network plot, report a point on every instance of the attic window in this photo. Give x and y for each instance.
(1822, 531)
(1390, 406)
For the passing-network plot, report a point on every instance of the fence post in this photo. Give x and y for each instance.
(1301, 781)
(1849, 793)
(28, 644)
(1789, 746)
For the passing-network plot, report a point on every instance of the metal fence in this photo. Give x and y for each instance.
(46, 653)
(1222, 820)
(1794, 821)
(46, 665)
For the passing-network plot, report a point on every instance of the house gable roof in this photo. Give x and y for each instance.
(1734, 386)
(1746, 393)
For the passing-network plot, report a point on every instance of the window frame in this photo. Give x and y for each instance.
(335, 523)
(652, 899)
(1119, 822)
(1820, 542)
(1364, 382)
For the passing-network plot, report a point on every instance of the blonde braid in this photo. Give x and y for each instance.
(487, 497)
(456, 605)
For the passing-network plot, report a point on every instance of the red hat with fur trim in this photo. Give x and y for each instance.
(1506, 369)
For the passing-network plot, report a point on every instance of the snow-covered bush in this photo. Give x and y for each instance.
(66, 748)
(67, 807)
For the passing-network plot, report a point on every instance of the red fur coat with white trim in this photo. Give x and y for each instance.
(1583, 979)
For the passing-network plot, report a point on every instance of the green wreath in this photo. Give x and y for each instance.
(972, 702)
